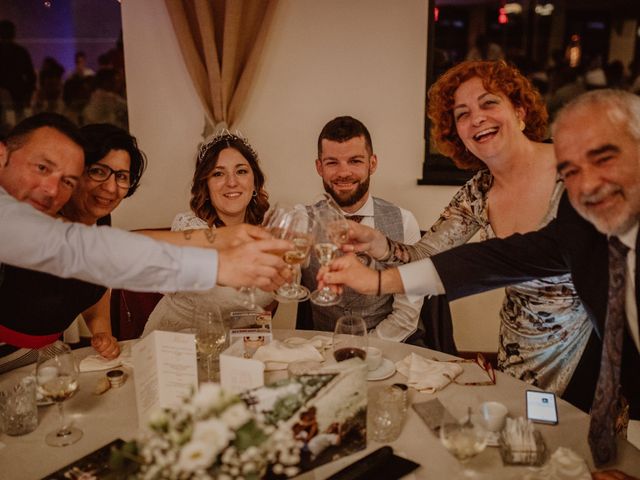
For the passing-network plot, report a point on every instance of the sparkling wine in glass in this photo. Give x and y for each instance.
(57, 376)
(465, 438)
(296, 226)
(332, 230)
(350, 338)
(211, 338)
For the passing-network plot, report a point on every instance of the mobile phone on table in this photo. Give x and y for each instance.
(541, 407)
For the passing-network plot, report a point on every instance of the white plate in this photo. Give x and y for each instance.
(385, 370)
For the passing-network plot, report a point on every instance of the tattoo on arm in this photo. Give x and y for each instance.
(187, 234)
(210, 235)
(397, 253)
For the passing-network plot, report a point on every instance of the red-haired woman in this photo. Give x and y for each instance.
(487, 116)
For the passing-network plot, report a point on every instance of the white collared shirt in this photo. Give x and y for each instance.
(102, 255)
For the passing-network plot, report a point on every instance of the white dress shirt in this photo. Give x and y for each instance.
(403, 319)
(102, 255)
(421, 278)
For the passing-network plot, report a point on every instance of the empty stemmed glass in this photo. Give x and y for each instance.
(211, 337)
(57, 376)
(331, 231)
(295, 225)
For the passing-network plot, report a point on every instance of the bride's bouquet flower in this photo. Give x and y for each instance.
(212, 435)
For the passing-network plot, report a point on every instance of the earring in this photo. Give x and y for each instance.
(522, 125)
(254, 194)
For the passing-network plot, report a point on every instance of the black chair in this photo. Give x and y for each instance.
(435, 326)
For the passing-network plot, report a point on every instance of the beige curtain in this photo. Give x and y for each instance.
(221, 42)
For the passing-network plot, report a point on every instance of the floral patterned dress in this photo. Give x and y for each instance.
(175, 311)
(544, 328)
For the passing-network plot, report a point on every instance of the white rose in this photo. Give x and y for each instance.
(196, 455)
(213, 432)
(208, 396)
(236, 415)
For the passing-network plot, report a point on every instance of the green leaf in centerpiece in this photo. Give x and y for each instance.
(249, 435)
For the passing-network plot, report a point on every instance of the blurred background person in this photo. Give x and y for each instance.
(18, 75)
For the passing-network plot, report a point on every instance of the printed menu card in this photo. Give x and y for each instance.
(165, 371)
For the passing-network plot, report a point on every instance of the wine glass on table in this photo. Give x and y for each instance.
(464, 438)
(211, 337)
(57, 377)
(350, 338)
(332, 230)
(295, 225)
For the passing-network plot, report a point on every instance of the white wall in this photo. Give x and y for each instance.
(365, 58)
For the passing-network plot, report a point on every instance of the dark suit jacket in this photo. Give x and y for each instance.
(567, 244)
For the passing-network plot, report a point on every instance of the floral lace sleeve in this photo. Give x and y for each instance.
(460, 220)
(187, 221)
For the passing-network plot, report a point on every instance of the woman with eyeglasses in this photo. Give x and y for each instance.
(113, 167)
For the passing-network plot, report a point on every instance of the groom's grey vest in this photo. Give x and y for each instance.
(388, 219)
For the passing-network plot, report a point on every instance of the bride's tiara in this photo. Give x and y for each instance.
(223, 136)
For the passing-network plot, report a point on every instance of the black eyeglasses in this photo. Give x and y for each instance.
(101, 173)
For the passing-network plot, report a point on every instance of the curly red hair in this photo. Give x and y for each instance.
(497, 77)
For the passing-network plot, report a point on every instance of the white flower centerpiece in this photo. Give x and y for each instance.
(211, 435)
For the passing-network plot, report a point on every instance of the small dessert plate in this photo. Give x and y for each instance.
(385, 370)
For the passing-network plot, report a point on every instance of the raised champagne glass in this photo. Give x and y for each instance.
(295, 225)
(332, 230)
(57, 377)
(248, 294)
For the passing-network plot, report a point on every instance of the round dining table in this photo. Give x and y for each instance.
(104, 418)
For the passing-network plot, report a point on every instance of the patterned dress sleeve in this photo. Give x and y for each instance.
(460, 220)
(187, 221)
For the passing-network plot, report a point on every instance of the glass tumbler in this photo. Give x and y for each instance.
(19, 408)
(386, 412)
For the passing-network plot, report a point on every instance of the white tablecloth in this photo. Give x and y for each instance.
(113, 415)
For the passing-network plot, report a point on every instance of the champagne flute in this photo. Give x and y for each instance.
(248, 294)
(295, 225)
(57, 377)
(350, 338)
(211, 337)
(332, 230)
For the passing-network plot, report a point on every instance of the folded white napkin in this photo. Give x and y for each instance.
(278, 355)
(94, 363)
(321, 342)
(427, 375)
(564, 464)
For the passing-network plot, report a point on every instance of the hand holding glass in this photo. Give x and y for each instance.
(295, 225)
(332, 230)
